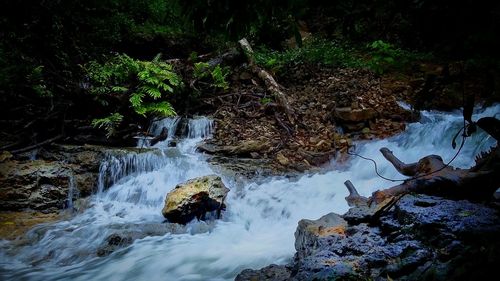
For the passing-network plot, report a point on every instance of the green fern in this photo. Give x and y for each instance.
(200, 70)
(136, 99)
(146, 83)
(216, 76)
(219, 77)
(109, 123)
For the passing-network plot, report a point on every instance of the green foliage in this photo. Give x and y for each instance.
(265, 100)
(385, 56)
(315, 51)
(109, 124)
(219, 75)
(36, 81)
(216, 76)
(40, 51)
(143, 83)
(201, 70)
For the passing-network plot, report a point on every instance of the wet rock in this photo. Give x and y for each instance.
(269, 273)
(420, 238)
(124, 235)
(15, 224)
(282, 159)
(38, 185)
(44, 183)
(248, 168)
(347, 114)
(210, 148)
(195, 198)
(309, 232)
(113, 242)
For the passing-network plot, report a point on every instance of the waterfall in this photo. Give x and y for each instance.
(257, 228)
(201, 127)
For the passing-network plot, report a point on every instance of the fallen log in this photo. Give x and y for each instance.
(269, 81)
(431, 176)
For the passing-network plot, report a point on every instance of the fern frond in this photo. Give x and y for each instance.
(151, 91)
(109, 123)
(136, 99)
(163, 108)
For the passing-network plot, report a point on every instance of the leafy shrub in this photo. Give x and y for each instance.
(145, 84)
(216, 76)
(385, 56)
(315, 51)
(37, 83)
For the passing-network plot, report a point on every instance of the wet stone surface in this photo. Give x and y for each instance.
(419, 238)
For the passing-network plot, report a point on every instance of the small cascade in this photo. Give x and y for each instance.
(169, 123)
(201, 127)
(73, 192)
(156, 127)
(116, 167)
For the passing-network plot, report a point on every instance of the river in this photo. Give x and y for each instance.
(257, 227)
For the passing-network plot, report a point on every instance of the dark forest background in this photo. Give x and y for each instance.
(46, 46)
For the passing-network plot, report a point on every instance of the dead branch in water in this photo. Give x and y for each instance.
(431, 176)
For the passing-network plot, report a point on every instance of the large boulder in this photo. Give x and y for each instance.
(195, 198)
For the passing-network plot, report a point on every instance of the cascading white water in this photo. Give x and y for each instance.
(256, 230)
(72, 192)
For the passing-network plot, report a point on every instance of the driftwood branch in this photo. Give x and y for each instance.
(354, 199)
(405, 169)
(31, 147)
(271, 84)
(431, 176)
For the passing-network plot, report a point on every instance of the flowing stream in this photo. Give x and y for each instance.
(257, 228)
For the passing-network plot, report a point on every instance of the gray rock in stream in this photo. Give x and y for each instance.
(124, 235)
(419, 238)
(272, 272)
